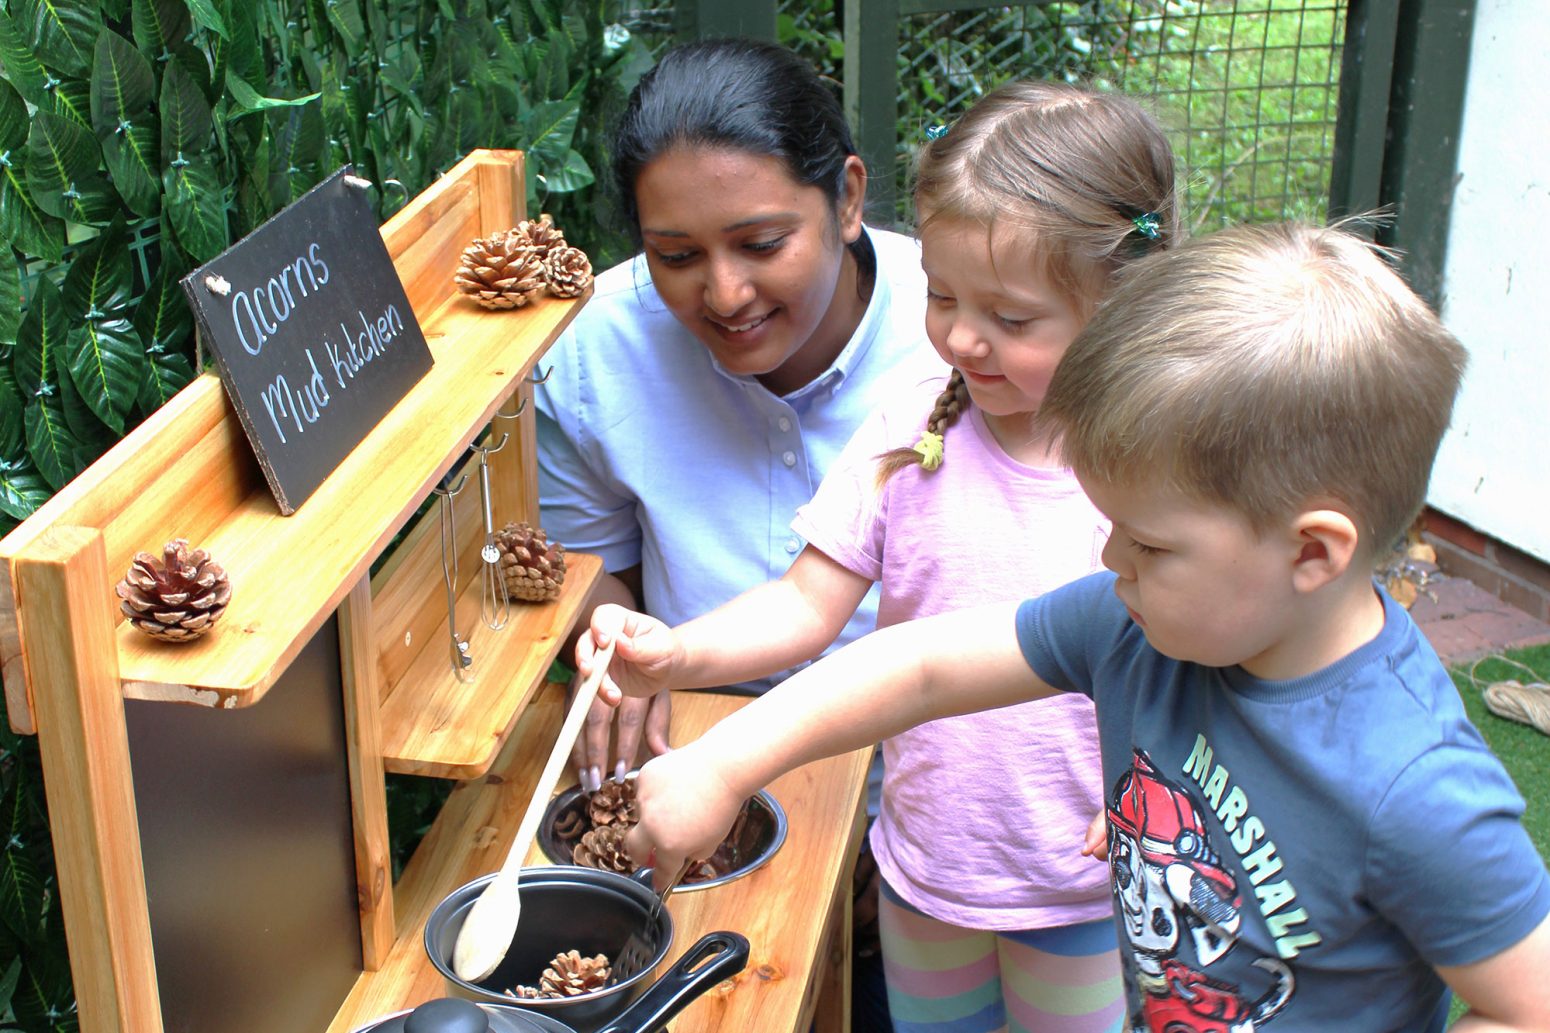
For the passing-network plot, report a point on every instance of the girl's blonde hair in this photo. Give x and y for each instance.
(1087, 176)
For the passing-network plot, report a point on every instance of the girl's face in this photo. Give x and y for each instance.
(751, 261)
(991, 313)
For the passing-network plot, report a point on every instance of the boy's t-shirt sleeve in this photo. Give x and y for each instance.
(1452, 865)
(1064, 634)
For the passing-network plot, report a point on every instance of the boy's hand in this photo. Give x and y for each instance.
(686, 810)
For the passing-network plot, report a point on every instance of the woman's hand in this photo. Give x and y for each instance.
(686, 810)
(643, 659)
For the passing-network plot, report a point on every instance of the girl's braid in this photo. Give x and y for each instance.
(928, 451)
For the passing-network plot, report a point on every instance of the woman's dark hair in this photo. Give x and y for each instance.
(743, 94)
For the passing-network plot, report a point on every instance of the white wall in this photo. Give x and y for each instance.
(1494, 468)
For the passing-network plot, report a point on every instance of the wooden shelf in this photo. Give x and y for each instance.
(433, 724)
(290, 573)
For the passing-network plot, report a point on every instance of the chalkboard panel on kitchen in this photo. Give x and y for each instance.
(311, 332)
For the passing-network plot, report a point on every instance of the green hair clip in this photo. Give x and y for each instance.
(1148, 225)
(936, 132)
(930, 448)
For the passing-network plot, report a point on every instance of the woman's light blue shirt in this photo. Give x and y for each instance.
(650, 452)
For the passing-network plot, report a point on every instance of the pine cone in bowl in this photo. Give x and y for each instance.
(614, 804)
(604, 848)
(177, 599)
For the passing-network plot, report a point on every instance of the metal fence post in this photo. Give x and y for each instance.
(1366, 77)
(698, 19)
(872, 96)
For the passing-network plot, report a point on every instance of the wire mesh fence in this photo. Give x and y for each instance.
(1246, 88)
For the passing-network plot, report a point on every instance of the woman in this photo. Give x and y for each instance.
(703, 391)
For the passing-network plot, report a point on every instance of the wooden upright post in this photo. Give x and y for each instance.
(91, 804)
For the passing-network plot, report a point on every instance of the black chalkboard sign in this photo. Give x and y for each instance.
(311, 332)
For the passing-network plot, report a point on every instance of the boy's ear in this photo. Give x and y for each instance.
(853, 203)
(1327, 543)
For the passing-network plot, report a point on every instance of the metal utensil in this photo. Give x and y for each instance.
(460, 657)
(494, 603)
(492, 921)
(639, 949)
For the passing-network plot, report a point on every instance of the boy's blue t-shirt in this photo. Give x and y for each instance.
(1292, 855)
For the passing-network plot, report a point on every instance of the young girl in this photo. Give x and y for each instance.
(991, 917)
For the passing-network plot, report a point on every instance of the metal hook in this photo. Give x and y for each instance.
(461, 659)
(541, 379)
(521, 408)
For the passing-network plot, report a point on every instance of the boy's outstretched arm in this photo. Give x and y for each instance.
(892, 679)
(1507, 992)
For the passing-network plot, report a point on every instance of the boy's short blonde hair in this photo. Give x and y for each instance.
(1263, 368)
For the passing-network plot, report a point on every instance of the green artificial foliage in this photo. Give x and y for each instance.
(138, 140)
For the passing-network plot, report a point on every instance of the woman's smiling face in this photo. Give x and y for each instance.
(751, 261)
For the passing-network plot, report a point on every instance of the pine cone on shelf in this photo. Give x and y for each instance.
(571, 975)
(178, 598)
(613, 804)
(501, 271)
(604, 848)
(541, 234)
(532, 567)
(567, 271)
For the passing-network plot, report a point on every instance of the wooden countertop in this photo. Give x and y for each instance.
(794, 910)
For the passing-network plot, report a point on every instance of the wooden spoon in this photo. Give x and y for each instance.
(492, 922)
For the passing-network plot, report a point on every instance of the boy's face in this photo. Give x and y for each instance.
(1200, 581)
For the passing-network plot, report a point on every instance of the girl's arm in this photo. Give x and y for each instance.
(767, 629)
(891, 680)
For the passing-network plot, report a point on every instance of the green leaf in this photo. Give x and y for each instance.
(10, 302)
(21, 63)
(22, 491)
(572, 176)
(165, 376)
(159, 24)
(72, 99)
(8, 981)
(54, 447)
(12, 434)
(21, 888)
(162, 319)
(122, 86)
(13, 118)
(92, 436)
(40, 342)
(250, 100)
(206, 16)
(131, 161)
(549, 128)
(99, 281)
(345, 17)
(62, 170)
(22, 222)
(63, 31)
(107, 363)
(195, 201)
(185, 115)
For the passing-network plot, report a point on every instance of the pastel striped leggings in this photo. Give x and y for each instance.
(946, 979)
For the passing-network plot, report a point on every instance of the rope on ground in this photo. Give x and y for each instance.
(1526, 702)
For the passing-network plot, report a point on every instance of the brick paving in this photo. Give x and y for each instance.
(1464, 621)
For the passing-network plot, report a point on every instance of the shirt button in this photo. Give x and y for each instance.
(792, 545)
(784, 424)
(790, 459)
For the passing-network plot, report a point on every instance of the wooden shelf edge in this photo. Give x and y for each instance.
(434, 725)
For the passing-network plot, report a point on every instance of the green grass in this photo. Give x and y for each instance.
(1523, 750)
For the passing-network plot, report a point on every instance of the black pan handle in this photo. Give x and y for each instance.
(715, 957)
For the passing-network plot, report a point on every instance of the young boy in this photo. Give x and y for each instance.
(1305, 832)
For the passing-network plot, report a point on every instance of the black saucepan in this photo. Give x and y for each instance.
(564, 907)
(715, 957)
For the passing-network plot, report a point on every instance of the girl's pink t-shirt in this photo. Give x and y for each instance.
(983, 817)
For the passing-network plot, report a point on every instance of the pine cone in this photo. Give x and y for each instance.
(569, 826)
(532, 567)
(604, 848)
(177, 599)
(541, 234)
(567, 272)
(570, 975)
(501, 271)
(613, 804)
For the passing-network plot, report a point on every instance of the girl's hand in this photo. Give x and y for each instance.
(686, 810)
(645, 656)
(1097, 837)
